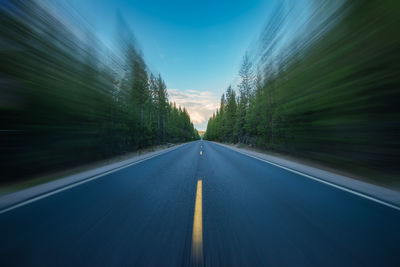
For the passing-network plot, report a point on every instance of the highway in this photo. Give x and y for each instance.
(201, 204)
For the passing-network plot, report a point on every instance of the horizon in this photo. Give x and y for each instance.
(198, 63)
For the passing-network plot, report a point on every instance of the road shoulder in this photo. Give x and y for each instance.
(390, 196)
(20, 196)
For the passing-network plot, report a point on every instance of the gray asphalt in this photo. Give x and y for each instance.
(254, 214)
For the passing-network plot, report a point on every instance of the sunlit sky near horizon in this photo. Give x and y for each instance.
(196, 46)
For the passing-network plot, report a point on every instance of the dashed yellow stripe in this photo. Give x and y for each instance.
(197, 237)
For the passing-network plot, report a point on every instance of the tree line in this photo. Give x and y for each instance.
(67, 100)
(332, 98)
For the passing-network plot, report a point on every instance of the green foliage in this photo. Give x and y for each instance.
(333, 99)
(62, 104)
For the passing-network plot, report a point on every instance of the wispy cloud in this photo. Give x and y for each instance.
(199, 104)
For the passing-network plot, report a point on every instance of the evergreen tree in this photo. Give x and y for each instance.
(230, 115)
(245, 91)
(72, 103)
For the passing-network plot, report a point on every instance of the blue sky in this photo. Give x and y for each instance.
(197, 46)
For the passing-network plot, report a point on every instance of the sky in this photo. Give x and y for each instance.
(196, 46)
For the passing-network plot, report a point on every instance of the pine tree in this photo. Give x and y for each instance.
(245, 90)
(230, 115)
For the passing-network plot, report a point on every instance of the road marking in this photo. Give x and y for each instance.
(197, 237)
(324, 182)
(201, 153)
(26, 202)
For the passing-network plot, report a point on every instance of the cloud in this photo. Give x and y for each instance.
(199, 104)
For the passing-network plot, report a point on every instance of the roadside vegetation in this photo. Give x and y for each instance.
(66, 99)
(331, 94)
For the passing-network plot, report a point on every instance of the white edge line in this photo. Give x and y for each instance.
(322, 181)
(26, 202)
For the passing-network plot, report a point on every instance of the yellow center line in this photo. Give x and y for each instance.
(197, 237)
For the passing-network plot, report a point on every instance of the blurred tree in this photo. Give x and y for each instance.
(329, 94)
(65, 105)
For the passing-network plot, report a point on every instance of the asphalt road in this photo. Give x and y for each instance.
(244, 212)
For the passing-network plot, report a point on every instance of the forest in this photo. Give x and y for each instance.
(333, 98)
(66, 99)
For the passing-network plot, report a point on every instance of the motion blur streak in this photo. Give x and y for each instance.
(322, 82)
(66, 99)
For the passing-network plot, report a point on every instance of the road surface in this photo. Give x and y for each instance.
(201, 204)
